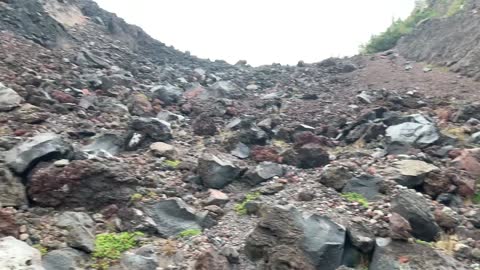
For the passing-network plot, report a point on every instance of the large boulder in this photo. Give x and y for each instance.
(64, 259)
(417, 132)
(263, 172)
(415, 209)
(18, 255)
(104, 145)
(211, 260)
(410, 173)
(217, 170)
(8, 222)
(467, 112)
(399, 255)
(335, 177)
(12, 190)
(82, 183)
(150, 128)
(367, 185)
(140, 105)
(171, 217)
(168, 94)
(283, 239)
(9, 99)
(81, 230)
(41, 147)
(311, 155)
(144, 258)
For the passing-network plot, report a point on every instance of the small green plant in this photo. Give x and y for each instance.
(356, 197)
(425, 243)
(43, 250)
(189, 233)
(476, 198)
(455, 7)
(111, 245)
(136, 197)
(172, 163)
(240, 207)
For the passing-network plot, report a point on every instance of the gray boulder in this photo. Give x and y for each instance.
(81, 230)
(475, 139)
(172, 216)
(335, 177)
(263, 172)
(46, 145)
(12, 191)
(367, 185)
(241, 150)
(9, 99)
(410, 173)
(418, 256)
(18, 255)
(145, 130)
(415, 209)
(217, 170)
(143, 258)
(104, 145)
(168, 94)
(64, 259)
(283, 239)
(418, 132)
(225, 89)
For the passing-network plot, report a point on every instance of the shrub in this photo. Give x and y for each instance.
(189, 233)
(240, 208)
(136, 197)
(43, 250)
(455, 7)
(476, 198)
(111, 245)
(398, 28)
(172, 163)
(356, 197)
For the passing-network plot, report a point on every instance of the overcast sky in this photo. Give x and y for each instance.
(262, 31)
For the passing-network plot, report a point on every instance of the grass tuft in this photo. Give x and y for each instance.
(189, 233)
(356, 197)
(240, 208)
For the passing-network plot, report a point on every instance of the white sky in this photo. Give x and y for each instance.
(262, 31)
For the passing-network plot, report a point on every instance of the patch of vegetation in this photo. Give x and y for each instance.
(240, 208)
(189, 233)
(399, 28)
(447, 243)
(476, 198)
(172, 163)
(425, 243)
(110, 246)
(136, 197)
(356, 197)
(455, 7)
(43, 250)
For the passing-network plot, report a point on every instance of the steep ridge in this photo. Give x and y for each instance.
(118, 152)
(449, 40)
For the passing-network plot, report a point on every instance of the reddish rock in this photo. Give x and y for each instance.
(436, 183)
(63, 97)
(400, 227)
(140, 105)
(81, 183)
(308, 156)
(264, 153)
(216, 197)
(8, 225)
(306, 137)
(469, 161)
(204, 125)
(211, 260)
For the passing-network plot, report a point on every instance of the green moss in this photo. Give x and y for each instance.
(111, 245)
(455, 7)
(136, 197)
(356, 197)
(43, 250)
(189, 233)
(425, 243)
(476, 198)
(240, 208)
(172, 163)
(398, 28)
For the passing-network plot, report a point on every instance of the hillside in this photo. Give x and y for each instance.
(119, 152)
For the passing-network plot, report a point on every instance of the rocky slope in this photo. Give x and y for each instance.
(450, 40)
(118, 152)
